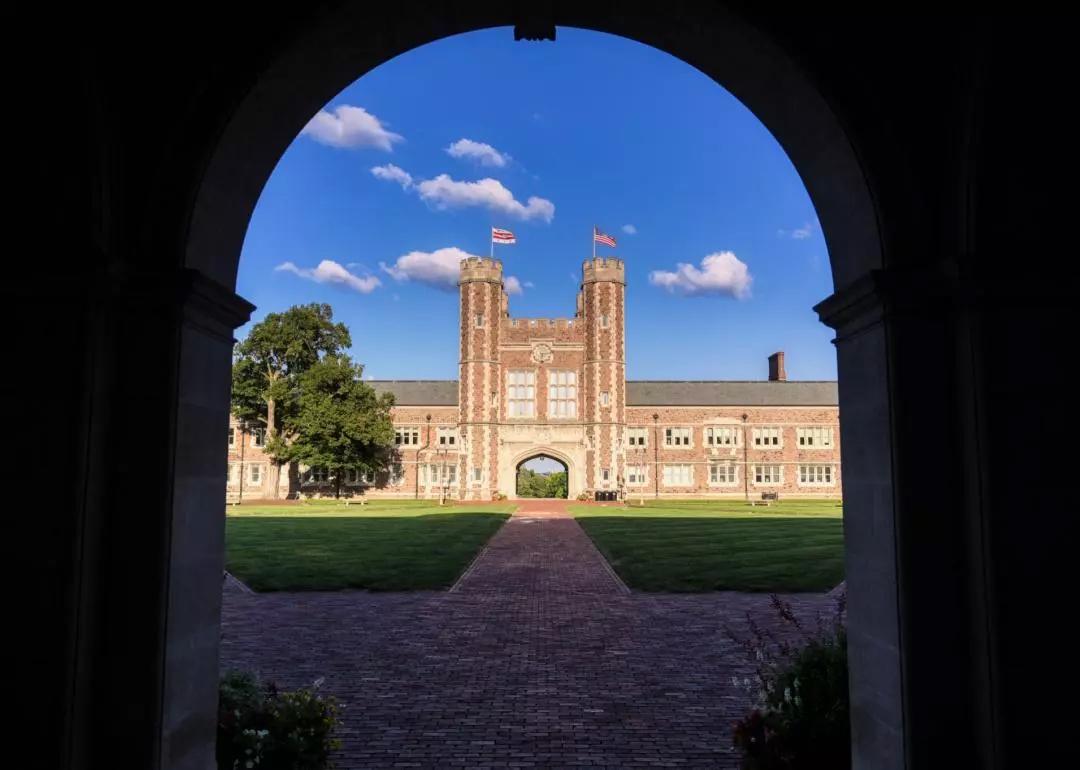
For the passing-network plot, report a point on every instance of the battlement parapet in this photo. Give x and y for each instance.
(603, 269)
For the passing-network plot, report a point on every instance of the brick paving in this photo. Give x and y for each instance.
(538, 658)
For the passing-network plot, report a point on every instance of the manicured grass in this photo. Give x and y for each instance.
(382, 546)
(719, 545)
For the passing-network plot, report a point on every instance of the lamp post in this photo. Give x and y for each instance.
(745, 466)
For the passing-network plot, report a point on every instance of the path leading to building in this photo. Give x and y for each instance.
(538, 657)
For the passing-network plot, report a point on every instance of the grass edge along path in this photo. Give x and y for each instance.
(719, 545)
(393, 545)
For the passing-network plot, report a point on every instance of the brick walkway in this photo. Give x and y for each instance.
(538, 657)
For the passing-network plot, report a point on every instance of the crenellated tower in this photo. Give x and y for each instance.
(602, 308)
(483, 306)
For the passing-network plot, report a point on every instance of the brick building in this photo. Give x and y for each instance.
(557, 387)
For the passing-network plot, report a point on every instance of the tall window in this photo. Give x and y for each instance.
(522, 392)
(678, 475)
(316, 475)
(637, 436)
(442, 474)
(722, 436)
(562, 394)
(816, 475)
(604, 322)
(477, 475)
(768, 474)
(258, 437)
(605, 398)
(232, 436)
(605, 475)
(635, 475)
(255, 474)
(448, 436)
(479, 320)
(722, 473)
(397, 474)
(766, 437)
(676, 437)
(815, 437)
(407, 436)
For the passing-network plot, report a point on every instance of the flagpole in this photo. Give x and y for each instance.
(491, 237)
(594, 241)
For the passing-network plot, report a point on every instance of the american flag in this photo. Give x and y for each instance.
(502, 236)
(599, 237)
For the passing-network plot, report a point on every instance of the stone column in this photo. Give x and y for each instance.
(916, 576)
(148, 570)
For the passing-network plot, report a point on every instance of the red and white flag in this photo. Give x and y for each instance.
(599, 237)
(502, 236)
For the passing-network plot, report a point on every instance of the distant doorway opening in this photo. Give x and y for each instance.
(542, 476)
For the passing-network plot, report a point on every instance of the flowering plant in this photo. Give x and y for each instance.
(801, 721)
(262, 727)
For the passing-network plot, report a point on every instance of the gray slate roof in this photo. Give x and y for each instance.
(419, 392)
(648, 392)
(730, 393)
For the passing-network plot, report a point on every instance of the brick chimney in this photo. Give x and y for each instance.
(776, 367)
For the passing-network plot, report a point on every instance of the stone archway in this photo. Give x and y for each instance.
(512, 463)
(919, 562)
(346, 43)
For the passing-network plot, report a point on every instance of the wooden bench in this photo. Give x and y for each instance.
(767, 498)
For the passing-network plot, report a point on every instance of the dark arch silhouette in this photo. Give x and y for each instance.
(928, 188)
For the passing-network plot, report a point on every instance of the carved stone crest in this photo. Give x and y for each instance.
(541, 353)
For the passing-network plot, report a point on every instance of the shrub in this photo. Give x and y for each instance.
(585, 496)
(262, 727)
(496, 496)
(802, 722)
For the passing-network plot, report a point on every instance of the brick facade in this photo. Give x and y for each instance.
(557, 387)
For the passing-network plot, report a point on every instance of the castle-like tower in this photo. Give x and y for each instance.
(483, 308)
(601, 306)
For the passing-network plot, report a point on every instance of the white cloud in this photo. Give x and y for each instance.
(512, 285)
(440, 268)
(720, 273)
(445, 193)
(350, 126)
(629, 229)
(329, 271)
(799, 233)
(482, 153)
(528, 284)
(391, 173)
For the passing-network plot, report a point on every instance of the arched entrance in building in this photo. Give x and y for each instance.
(542, 475)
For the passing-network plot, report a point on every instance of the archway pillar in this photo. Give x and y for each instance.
(150, 564)
(917, 597)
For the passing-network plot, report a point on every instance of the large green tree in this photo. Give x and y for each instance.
(341, 423)
(267, 367)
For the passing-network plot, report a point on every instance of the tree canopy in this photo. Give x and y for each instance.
(271, 358)
(340, 423)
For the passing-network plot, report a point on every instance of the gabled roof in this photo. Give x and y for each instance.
(649, 392)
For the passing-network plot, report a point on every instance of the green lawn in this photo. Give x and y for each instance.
(382, 546)
(719, 545)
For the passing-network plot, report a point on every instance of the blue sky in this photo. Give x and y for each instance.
(367, 206)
